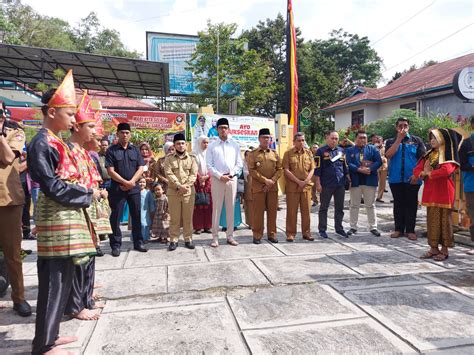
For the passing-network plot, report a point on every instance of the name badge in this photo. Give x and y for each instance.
(337, 157)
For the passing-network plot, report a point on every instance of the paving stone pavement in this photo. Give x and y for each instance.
(362, 295)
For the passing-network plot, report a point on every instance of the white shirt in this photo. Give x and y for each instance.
(223, 157)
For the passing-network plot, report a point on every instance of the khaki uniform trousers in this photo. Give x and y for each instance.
(264, 201)
(10, 241)
(382, 183)
(181, 210)
(293, 201)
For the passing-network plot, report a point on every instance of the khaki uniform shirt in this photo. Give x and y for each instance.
(11, 190)
(300, 163)
(264, 164)
(180, 171)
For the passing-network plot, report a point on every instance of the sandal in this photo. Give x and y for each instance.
(214, 244)
(412, 236)
(396, 234)
(440, 257)
(428, 255)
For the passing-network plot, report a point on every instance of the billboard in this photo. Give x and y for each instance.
(175, 50)
(243, 129)
(155, 127)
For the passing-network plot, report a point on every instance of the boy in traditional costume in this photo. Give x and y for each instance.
(436, 168)
(64, 238)
(81, 302)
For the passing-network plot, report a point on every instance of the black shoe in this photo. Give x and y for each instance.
(23, 309)
(189, 245)
(197, 231)
(224, 229)
(342, 233)
(99, 252)
(375, 232)
(323, 234)
(115, 252)
(352, 231)
(380, 200)
(172, 246)
(27, 251)
(273, 240)
(208, 231)
(256, 241)
(140, 248)
(385, 190)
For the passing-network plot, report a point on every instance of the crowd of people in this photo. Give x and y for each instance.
(81, 189)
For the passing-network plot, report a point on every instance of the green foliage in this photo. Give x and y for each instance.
(143, 135)
(24, 26)
(419, 126)
(242, 74)
(327, 69)
(315, 132)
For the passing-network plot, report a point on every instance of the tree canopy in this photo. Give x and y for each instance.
(22, 25)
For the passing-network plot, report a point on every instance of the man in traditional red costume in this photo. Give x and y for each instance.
(64, 238)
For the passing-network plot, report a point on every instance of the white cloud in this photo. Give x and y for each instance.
(315, 18)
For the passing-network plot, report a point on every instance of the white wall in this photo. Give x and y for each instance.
(372, 112)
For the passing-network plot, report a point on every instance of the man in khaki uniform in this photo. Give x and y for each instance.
(181, 171)
(12, 199)
(265, 168)
(299, 166)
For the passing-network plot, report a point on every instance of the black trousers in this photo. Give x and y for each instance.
(326, 194)
(117, 201)
(54, 285)
(405, 206)
(26, 226)
(80, 296)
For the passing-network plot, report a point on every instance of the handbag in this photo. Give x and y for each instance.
(202, 199)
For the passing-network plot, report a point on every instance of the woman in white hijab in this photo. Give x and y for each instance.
(202, 217)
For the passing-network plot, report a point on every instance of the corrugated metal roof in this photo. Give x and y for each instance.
(435, 77)
(129, 77)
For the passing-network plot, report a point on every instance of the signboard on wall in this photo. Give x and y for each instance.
(176, 50)
(243, 129)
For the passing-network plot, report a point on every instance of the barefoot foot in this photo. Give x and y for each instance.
(65, 340)
(86, 314)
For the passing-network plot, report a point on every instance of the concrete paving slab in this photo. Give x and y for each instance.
(361, 336)
(243, 251)
(461, 281)
(385, 263)
(165, 300)
(17, 334)
(207, 328)
(159, 255)
(318, 246)
(131, 282)
(290, 305)
(457, 256)
(428, 316)
(296, 269)
(109, 262)
(377, 282)
(211, 275)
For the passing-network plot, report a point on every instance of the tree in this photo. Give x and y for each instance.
(268, 38)
(23, 25)
(357, 63)
(236, 73)
(90, 37)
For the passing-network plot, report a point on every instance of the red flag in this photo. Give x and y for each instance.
(291, 70)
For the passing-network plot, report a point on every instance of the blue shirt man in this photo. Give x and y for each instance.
(403, 153)
(466, 157)
(363, 160)
(331, 175)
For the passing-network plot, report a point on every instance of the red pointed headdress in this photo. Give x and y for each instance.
(84, 110)
(65, 95)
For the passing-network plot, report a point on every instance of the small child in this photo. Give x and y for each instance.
(161, 219)
(147, 207)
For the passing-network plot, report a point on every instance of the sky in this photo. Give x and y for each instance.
(403, 32)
